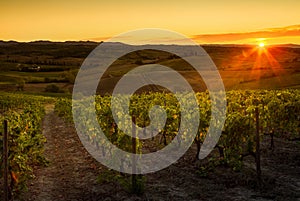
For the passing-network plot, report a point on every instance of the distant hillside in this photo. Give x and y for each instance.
(241, 66)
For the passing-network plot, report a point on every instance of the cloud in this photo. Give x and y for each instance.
(293, 30)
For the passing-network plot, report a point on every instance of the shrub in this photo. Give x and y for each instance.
(53, 88)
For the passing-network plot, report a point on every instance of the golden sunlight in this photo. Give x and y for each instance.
(261, 44)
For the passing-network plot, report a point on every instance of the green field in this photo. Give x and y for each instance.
(241, 67)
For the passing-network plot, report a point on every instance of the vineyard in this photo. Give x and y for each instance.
(24, 115)
(278, 112)
(273, 114)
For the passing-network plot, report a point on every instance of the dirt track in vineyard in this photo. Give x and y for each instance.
(72, 174)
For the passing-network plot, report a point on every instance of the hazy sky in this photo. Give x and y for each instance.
(209, 21)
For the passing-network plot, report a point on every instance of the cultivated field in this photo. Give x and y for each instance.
(257, 157)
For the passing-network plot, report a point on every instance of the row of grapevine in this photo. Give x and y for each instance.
(63, 108)
(13, 101)
(24, 115)
(279, 113)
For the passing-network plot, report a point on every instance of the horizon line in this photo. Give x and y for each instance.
(94, 41)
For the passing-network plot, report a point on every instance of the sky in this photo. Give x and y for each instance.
(206, 22)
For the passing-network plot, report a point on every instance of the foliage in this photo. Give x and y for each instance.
(63, 108)
(279, 112)
(53, 88)
(24, 115)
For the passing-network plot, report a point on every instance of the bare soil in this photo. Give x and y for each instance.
(72, 174)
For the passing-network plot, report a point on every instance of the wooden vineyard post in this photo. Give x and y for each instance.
(5, 161)
(137, 186)
(272, 139)
(134, 178)
(257, 156)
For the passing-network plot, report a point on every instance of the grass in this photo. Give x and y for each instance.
(13, 77)
(47, 94)
(19, 74)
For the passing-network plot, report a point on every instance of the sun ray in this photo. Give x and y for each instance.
(256, 63)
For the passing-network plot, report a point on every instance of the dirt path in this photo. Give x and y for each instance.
(72, 174)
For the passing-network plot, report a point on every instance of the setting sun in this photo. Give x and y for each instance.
(261, 44)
